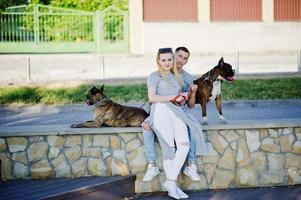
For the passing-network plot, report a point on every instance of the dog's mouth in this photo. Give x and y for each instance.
(89, 102)
(230, 78)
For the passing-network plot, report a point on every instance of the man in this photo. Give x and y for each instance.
(181, 57)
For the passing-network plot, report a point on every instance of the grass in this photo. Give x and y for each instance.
(245, 89)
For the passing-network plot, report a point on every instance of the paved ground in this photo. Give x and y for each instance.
(271, 193)
(80, 67)
(234, 111)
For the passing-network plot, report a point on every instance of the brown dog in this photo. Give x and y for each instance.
(108, 113)
(209, 87)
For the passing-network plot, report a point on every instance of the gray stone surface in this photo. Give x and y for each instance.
(234, 111)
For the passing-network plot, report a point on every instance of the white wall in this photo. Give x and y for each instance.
(223, 37)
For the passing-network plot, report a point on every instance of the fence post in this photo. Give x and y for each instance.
(237, 62)
(103, 67)
(36, 23)
(126, 30)
(299, 60)
(28, 71)
(97, 28)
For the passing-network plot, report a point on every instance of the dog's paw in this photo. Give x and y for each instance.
(205, 121)
(222, 119)
(75, 125)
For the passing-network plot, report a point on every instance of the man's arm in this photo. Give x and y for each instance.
(191, 96)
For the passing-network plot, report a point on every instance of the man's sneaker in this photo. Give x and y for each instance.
(151, 173)
(191, 172)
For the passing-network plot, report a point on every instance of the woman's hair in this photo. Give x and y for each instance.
(173, 69)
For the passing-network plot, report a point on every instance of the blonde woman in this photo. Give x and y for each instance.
(170, 121)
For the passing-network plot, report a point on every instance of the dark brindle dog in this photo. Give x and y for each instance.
(209, 87)
(108, 113)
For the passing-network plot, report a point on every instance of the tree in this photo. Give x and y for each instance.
(90, 5)
(7, 3)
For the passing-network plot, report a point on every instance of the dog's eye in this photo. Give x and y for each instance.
(92, 92)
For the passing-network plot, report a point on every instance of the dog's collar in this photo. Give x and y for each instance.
(210, 78)
(101, 102)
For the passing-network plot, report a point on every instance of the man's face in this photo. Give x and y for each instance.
(181, 58)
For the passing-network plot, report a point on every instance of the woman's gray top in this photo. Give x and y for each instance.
(170, 86)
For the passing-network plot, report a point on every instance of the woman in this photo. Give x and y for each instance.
(169, 119)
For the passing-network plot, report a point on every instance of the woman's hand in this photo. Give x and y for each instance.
(184, 95)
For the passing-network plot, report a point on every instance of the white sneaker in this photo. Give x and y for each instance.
(191, 172)
(171, 188)
(151, 173)
(182, 194)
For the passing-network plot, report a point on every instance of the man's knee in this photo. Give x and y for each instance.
(146, 126)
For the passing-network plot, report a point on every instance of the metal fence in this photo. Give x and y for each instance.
(46, 29)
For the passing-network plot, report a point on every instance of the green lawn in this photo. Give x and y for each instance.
(245, 89)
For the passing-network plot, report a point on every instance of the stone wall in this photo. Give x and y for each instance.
(238, 158)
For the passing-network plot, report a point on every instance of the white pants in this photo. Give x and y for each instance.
(174, 131)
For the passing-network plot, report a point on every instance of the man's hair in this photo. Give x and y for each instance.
(183, 49)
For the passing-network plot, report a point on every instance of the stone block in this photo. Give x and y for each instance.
(73, 153)
(101, 141)
(72, 141)
(253, 141)
(268, 144)
(222, 179)
(96, 167)
(2, 144)
(218, 142)
(286, 143)
(115, 142)
(79, 167)
(246, 177)
(297, 147)
(137, 161)
(20, 170)
(16, 144)
(56, 141)
(259, 160)
(243, 155)
(37, 151)
(20, 157)
(41, 170)
(92, 152)
(227, 161)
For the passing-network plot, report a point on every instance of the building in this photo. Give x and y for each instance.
(210, 26)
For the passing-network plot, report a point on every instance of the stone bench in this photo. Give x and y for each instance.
(245, 154)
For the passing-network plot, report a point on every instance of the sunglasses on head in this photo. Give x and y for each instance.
(165, 50)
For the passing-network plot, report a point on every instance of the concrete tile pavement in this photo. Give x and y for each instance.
(267, 193)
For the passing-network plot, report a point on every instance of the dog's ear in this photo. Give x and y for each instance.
(102, 87)
(93, 90)
(221, 62)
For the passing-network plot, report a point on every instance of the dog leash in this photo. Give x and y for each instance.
(144, 103)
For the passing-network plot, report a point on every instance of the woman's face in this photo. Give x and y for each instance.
(166, 61)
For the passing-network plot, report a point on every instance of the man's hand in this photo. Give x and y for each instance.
(192, 93)
(193, 88)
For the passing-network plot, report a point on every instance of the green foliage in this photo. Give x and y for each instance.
(66, 26)
(249, 89)
(91, 5)
(112, 21)
(7, 3)
(274, 88)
